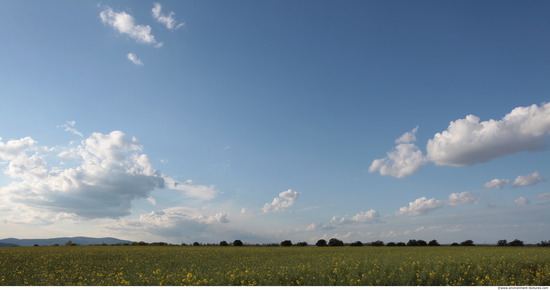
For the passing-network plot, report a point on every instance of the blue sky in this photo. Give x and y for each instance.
(269, 120)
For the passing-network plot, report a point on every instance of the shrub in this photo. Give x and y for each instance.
(321, 243)
(238, 243)
(224, 244)
(302, 244)
(391, 244)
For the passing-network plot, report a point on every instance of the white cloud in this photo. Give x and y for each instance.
(544, 196)
(167, 20)
(420, 206)
(285, 200)
(191, 190)
(496, 183)
(124, 23)
(370, 216)
(522, 201)
(463, 198)
(529, 179)
(468, 141)
(133, 58)
(409, 137)
(107, 172)
(404, 160)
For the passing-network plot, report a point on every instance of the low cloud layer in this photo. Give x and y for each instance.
(468, 141)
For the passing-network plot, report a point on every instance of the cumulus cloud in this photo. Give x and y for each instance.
(124, 23)
(370, 216)
(468, 141)
(496, 183)
(134, 59)
(167, 20)
(420, 206)
(522, 201)
(526, 180)
(405, 159)
(463, 198)
(107, 172)
(285, 200)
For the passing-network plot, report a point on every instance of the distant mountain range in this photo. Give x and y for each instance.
(84, 241)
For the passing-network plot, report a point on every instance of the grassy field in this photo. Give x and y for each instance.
(171, 265)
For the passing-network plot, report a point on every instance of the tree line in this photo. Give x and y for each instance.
(334, 242)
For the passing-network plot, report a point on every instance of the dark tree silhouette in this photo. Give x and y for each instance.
(391, 244)
(302, 244)
(516, 243)
(455, 244)
(356, 244)
(502, 243)
(321, 243)
(433, 243)
(377, 243)
(334, 242)
(286, 243)
(196, 244)
(467, 243)
(401, 244)
(238, 243)
(224, 244)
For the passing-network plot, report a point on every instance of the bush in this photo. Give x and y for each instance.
(544, 244)
(237, 243)
(224, 244)
(321, 243)
(335, 243)
(286, 243)
(302, 244)
(391, 244)
(401, 244)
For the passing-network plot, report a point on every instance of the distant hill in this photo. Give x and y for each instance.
(84, 241)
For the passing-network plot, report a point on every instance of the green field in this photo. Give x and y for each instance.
(273, 266)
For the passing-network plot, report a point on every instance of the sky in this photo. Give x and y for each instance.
(184, 121)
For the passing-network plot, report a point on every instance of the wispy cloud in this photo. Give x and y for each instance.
(69, 127)
(133, 58)
(167, 20)
(124, 23)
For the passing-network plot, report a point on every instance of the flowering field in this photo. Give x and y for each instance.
(175, 265)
